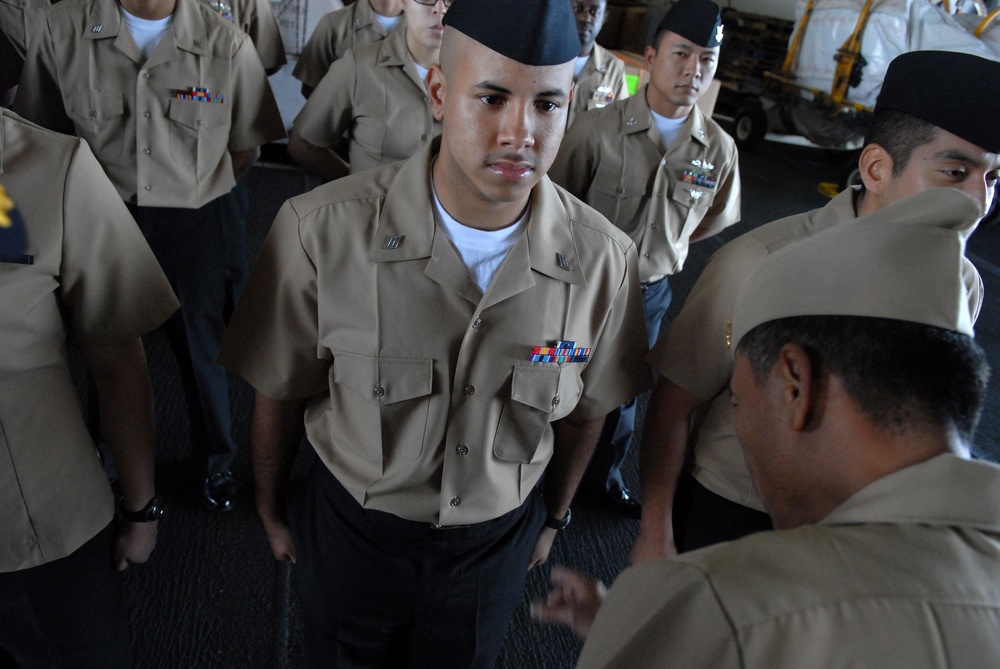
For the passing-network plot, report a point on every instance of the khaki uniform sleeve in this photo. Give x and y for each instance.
(574, 167)
(38, 97)
(256, 119)
(262, 27)
(662, 614)
(114, 288)
(318, 54)
(273, 337)
(692, 351)
(725, 209)
(616, 372)
(329, 111)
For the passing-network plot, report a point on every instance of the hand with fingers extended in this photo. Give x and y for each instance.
(573, 601)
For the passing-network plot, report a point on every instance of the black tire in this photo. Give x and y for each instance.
(750, 126)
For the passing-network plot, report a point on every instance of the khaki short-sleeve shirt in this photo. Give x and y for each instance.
(612, 159)
(423, 395)
(162, 128)
(902, 574)
(374, 95)
(693, 352)
(601, 82)
(256, 19)
(88, 263)
(337, 33)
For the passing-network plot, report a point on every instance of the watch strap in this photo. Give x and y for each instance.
(147, 514)
(559, 524)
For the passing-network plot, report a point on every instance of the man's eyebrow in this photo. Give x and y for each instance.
(490, 86)
(487, 85)
(959, 156)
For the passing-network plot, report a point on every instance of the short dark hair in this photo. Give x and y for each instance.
(899, 134)
(900, 374)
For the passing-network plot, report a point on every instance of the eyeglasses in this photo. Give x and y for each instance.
(431, 3)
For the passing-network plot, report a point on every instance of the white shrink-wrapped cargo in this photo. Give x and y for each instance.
(893, 27)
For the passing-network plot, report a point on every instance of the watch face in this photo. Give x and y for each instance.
(156, 509)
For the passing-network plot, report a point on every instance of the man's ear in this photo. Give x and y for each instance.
(800, 391)
(875, 165)
(437, 89)
(650, 57)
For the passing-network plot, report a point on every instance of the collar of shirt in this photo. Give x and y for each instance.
(187, 31)
(408, 212)
(901, 497)
(637, 117)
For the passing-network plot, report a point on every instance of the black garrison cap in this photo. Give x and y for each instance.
(532, 32)
(957, 92)
(696, 20)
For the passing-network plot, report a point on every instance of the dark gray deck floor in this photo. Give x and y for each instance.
(212, 597)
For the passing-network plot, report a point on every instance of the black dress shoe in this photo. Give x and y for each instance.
(624, 503)
(219, 491)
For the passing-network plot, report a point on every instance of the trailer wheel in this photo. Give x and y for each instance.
(750, 126)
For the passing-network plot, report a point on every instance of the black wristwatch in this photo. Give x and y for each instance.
(152, 511)
(558, 524)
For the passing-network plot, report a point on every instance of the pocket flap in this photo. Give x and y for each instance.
(98, 106)
(384, 380)
(194, 115)
(682, 196)
(535, 386)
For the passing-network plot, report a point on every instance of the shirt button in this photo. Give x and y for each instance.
(93, 114)
(423, 137)
(469, 390)
(148, 187)
(455, 501)
(145, 114)
(652, 225)
(476, 323)
(197, 122)
(462, 449)
(663, 162)
(146, 152)
(645, 255)
(555, 401)
(619, 190)
(145, 75)
(379, 391)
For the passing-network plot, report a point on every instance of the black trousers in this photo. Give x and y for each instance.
(702, 518)
(191, 247)
(381, 591)
(68, 613)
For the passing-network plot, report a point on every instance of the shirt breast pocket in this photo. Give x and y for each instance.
(694, 201)
(620, 204)
(199, 133)
(389, 419)
(534, 396)
(99, 119)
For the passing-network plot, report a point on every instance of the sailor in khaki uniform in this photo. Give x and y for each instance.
(256, 19)
(80, 269)
(447, 329)
(376, 98)
(663, 172)
(174, 102)
(359, 24)
(599, 79)
(914, 143)
(856, 398)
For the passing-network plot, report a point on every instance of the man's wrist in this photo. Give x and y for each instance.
(151, 512)
(559, 524)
